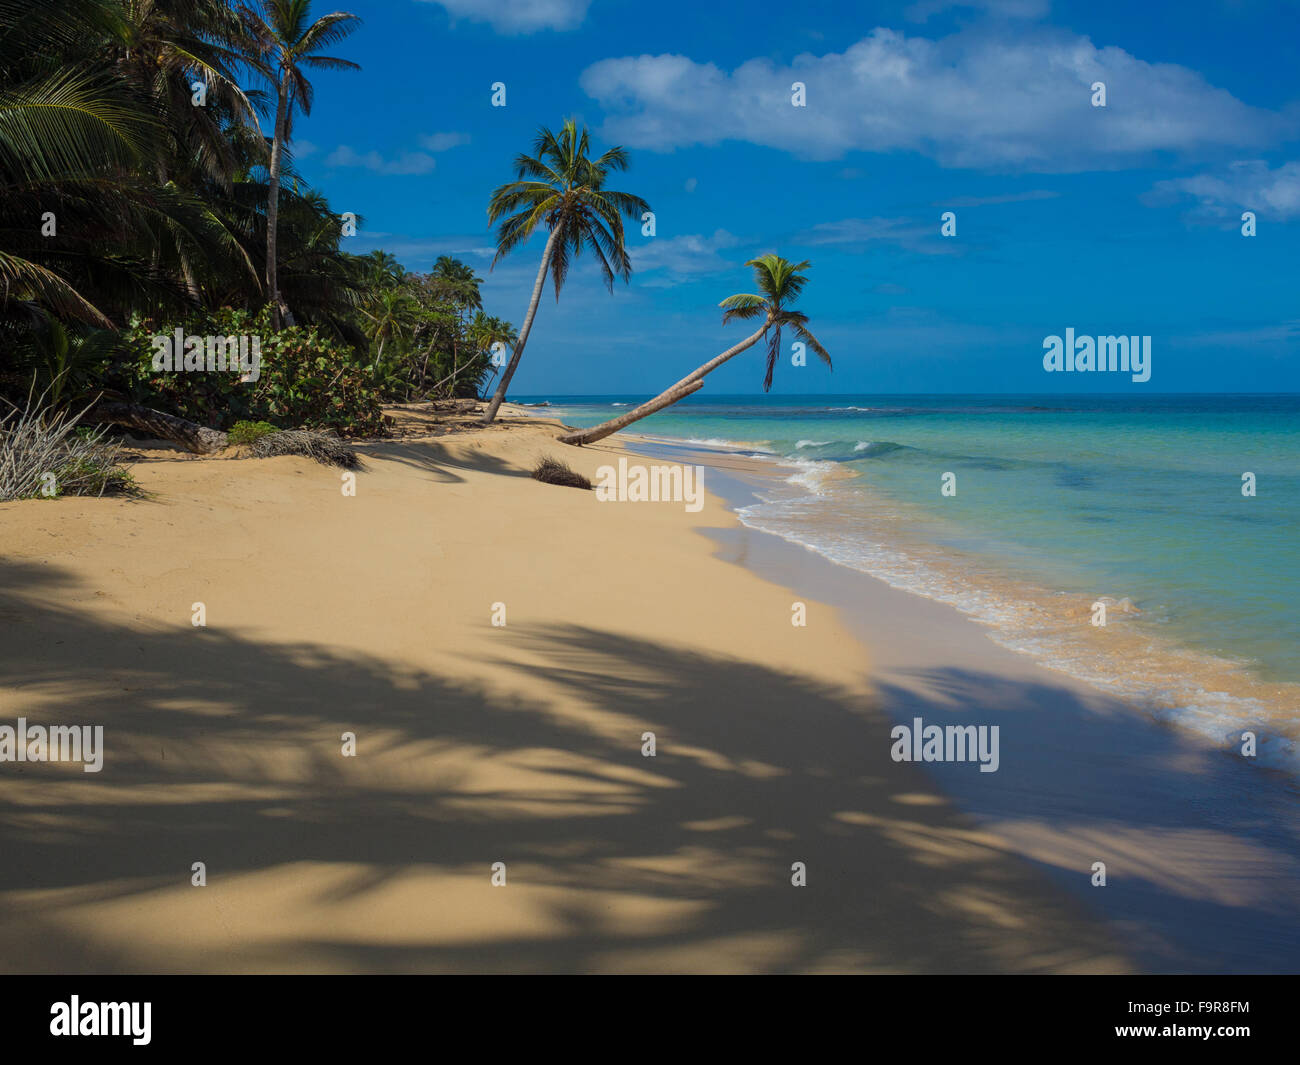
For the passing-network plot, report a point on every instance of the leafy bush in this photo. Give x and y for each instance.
(249, 432)
(306, 381)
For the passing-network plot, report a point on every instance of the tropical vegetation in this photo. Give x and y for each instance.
(146, 157)
(151, 190)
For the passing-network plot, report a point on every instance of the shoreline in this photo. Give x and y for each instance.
(475, 744)
(1167, 677)
(1199, 845)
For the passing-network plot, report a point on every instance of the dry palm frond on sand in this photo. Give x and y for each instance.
(322, 447)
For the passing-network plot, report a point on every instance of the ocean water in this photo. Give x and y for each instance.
(1060, 503)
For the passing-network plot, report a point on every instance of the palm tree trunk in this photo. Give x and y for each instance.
(156, 424)
(500, 393)
(692, 382)
(273, 203)
(451, 375)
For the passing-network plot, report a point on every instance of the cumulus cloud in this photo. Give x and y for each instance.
(1250, 185)
(403, 163)
(673, 260)
(519, 16)
(971, 100)
(901, 232)
(440, 142)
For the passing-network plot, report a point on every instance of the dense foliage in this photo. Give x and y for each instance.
(136, 172)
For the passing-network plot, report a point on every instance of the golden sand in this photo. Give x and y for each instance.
(476, 743)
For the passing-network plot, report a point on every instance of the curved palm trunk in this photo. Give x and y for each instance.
(500, 393)
(692, 382)
(278, 309)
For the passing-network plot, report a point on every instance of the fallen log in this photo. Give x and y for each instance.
(154, 423)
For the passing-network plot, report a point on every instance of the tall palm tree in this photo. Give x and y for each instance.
(483, 331)
(566, 192)
(455, 283)
(159, 46)
(380, 269)
(780, 284)
(387, 314)
(459, 278)
(288, 44)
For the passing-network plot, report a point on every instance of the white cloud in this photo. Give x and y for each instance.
(678, 259)
(903, 232)
(1243, 186)
(520, 16)
(967, 100)
(404, 163)
(440, 142)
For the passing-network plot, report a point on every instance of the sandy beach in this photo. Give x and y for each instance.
(475, 743)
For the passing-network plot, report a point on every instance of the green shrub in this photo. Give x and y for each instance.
(249, 432)
(306, 381)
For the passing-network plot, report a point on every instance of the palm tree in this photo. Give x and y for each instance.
(565, 191)
(287, 44)
(780, 284)
(159, 46)
(458, 281)
(483, 331)
(380, 269)
(387, 313)
(455, 283)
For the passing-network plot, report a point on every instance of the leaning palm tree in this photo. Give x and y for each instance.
(779, 285)
(287, 43)
(565, 192)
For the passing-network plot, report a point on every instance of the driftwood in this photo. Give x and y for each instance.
(455, 406)
(154, 423)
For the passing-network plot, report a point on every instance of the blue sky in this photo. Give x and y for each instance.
(1117, 220)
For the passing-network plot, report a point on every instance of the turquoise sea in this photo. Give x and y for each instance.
(1060, 503)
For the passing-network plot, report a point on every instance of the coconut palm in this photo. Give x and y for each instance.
(288, 44)
(458, 281)
(483, 332)
(387, 315)
(160, 47)
(779, 284)
(565, 191)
